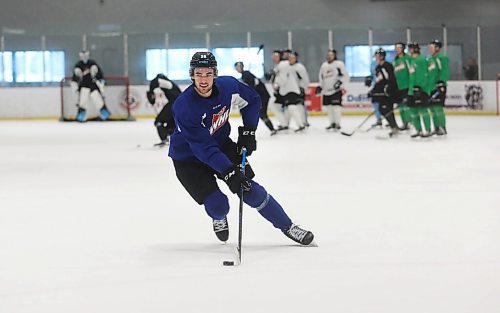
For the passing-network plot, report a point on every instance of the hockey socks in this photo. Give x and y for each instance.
(267, 206)
(438, 116)
(421, 112)
(404, 111)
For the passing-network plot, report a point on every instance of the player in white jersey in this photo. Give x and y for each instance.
(287, 87)
(302, 78)
(332, 77)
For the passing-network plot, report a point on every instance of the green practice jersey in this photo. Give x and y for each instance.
(438, 67)
(418, 74)
(401, 71)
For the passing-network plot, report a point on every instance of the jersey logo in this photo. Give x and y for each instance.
(431, 67)
(218, 120)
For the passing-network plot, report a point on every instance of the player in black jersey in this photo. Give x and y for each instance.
(162, 93)
(248, 78)
(385, 90)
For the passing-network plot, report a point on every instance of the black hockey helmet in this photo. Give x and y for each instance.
(400, 44)
(415, 46)
(202, 59)
(239, 63)
(436, 43)
(380, 52)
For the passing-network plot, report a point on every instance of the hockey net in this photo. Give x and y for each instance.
(116, 98)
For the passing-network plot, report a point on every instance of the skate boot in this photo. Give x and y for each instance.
(82, 115)
(439, 131)
(301, 128)
(394, 132)
(162, 144)
(378, 123)
(417, 134)
(299, 235)
(104, 113)
(221, 229)
(405, 127)
(281, 128)
(331, 126)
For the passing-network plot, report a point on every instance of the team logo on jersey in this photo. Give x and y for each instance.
(218, 120)
(432, 66)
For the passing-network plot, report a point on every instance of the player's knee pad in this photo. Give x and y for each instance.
(97, 99)
(216, 205)
(257, 198)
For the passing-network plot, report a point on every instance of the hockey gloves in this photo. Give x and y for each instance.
(337, 85)
(151, 97)
(246, 139)
(318, 90)
(368, 81)
(236, 180)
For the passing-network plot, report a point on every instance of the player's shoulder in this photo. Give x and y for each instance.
(226, 82)
(182, 102)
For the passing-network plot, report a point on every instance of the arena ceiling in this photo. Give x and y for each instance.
(187, 16)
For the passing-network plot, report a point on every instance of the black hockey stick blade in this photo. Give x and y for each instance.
(346, 134)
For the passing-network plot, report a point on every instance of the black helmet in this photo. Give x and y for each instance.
(436, 43)
(380, 52)
(239, 63)
(400, 44)
(415, 46)
(202, 59)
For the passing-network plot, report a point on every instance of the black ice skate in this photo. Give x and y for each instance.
(301, 128)
(394, 132)
(281, 128)
(439, 131)
(331, 126)
(299, 235)
(162, 144)
(417, 134)
(221, 229)
(378, 123)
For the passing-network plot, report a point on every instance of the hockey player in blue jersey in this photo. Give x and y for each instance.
(202, 150)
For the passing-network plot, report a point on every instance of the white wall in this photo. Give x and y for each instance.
(41, 102)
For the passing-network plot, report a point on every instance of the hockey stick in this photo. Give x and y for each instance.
(260, 48)
(383, 116)
(240, 225)
(359, 126)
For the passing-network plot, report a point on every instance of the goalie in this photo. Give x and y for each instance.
(88, 82)
(162, 94)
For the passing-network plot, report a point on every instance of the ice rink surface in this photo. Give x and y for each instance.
(90, 222)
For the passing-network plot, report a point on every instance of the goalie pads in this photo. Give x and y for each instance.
(74, 86)
(94, 70)
(78, 72)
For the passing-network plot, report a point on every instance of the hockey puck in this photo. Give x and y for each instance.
(228, 263)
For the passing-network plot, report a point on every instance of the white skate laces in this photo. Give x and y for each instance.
(296, 232)
(220, 225)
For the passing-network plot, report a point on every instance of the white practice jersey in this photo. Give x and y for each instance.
(301, 75)
(329, 74)
(284, 79)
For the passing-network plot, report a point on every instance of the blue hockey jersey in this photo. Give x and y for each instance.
(203, 123)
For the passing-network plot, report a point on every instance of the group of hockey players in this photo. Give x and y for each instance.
(416, 84)
(290, 80)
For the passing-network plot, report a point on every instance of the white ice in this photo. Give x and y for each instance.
(89, 222)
